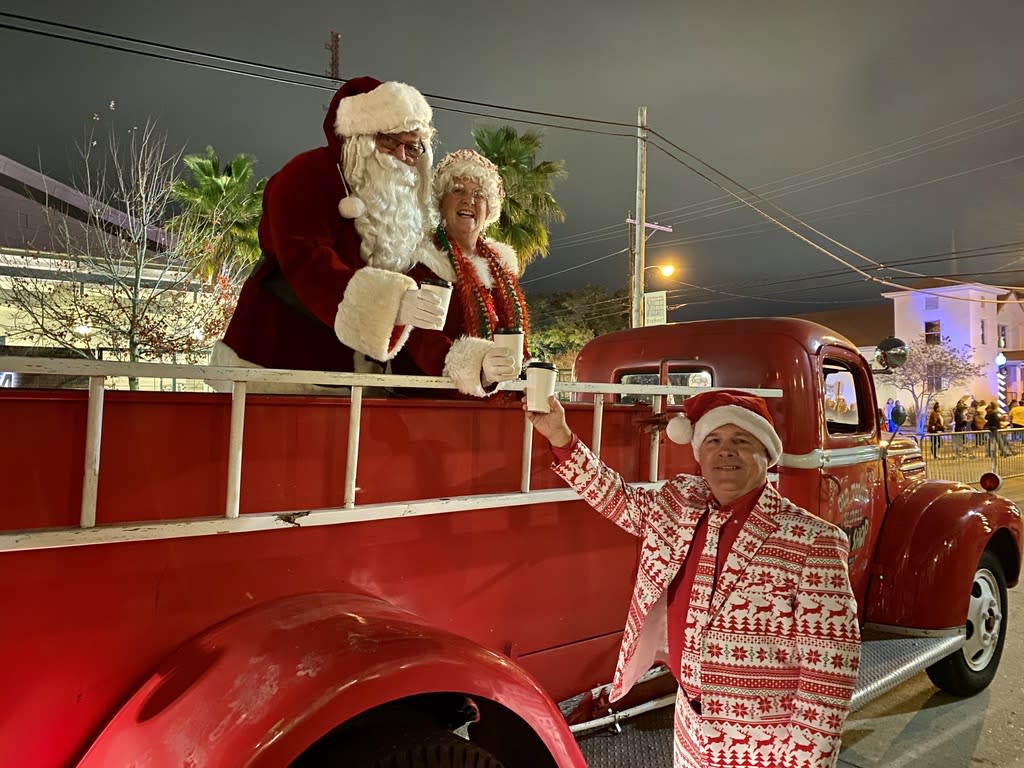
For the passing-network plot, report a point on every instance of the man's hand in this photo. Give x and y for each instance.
(497, 365)
(421, 309)
(552, 425)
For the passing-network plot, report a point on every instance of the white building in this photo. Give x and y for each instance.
(985, 319)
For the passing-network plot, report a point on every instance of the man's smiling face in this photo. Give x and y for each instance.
(733, 461)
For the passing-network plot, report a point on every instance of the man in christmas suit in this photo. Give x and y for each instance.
(743, 594)
(341, 226)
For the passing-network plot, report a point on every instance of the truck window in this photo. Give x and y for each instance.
(700, 377)
(844, 410)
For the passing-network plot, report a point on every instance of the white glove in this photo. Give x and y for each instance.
(497, 365)
(421, 309)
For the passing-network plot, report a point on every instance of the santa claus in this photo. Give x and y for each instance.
(340, 228)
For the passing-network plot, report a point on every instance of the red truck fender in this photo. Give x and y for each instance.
(261, 687)
(928, 551)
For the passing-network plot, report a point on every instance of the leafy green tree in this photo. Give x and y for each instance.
(561, 323)
(227, 203)
(529, 205)
(931, 369)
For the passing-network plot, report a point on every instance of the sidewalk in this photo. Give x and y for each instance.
(1012, 489)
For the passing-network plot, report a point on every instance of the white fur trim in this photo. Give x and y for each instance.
(389, 108)
(743, 418)
(506, 255)
(351, 207)
(434, 259)
(679, 429)
(367, 312)
(482, 269)
(464, 363)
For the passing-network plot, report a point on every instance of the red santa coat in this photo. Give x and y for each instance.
(777, 663)
(312, 303)
(453, 351)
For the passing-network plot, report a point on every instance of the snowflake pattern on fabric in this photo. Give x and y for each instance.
(776, 653)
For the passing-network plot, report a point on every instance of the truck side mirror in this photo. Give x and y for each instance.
(890, 353)
(899, 415)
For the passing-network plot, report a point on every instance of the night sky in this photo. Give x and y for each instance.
(895, 128)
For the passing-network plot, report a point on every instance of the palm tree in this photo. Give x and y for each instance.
(529, 205)
(221, 210)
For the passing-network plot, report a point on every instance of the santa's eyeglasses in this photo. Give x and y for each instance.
(390, 143)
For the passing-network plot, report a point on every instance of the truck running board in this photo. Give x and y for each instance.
(884, 664)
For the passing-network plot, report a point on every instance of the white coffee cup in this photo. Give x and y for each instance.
(512, 340)
(540, 385)
(442, 289)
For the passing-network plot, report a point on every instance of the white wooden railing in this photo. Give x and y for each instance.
(98, 372)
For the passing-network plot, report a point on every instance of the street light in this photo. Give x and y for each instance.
(666, 270)
(658, 297)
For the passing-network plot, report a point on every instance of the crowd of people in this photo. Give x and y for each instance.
(972, 424)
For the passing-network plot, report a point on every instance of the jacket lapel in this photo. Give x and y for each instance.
(755, 532)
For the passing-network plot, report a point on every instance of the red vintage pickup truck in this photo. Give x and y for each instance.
(213, 579)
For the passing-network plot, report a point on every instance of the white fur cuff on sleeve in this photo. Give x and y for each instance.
(366, 315)
(463, 364)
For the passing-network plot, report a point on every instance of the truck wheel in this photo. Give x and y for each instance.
(419, 748)
(972, 668)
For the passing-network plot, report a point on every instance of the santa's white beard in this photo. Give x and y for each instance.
(394, 220)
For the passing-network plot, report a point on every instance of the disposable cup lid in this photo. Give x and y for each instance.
(439, 283)
(546, 366)
(504, 331)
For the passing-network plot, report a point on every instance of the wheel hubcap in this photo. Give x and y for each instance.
(984, 620)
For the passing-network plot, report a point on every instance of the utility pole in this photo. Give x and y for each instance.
(630, 245)
(333, 66)
(639, 240)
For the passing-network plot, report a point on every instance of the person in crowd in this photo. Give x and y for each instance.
(1016, 410)
(746, 596)
(959, 425)
(935, 426)
(890, 427)
(997, 439)
(976, 412)
(468, 193)
(341, 227)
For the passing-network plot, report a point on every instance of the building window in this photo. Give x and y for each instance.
(931, 302)
(983, 332)
(1001, 330)
(932, 334)
(933, 377)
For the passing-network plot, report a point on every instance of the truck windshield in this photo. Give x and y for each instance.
(699, 377)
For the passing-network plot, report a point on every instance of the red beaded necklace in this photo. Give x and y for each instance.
(484, 310)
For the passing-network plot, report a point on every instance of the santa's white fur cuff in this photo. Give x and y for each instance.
(464, 362)
(366, 315)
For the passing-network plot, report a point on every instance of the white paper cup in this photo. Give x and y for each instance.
(512, 340)
(440, 288)
(540, 385)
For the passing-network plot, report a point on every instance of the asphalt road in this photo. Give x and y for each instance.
(912, 726)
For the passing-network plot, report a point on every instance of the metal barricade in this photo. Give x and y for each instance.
(966, 456)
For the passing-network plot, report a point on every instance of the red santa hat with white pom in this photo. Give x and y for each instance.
(705, 412)
(366, 106)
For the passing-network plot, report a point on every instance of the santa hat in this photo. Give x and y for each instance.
(468, 164)
(364, 106)
(707, 411)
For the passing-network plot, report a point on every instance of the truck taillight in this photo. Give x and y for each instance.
(990, 481)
